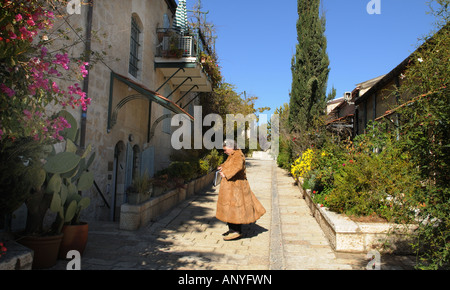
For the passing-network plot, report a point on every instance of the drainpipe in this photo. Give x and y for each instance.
(87, 52)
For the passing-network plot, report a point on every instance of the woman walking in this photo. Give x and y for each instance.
(237, 204)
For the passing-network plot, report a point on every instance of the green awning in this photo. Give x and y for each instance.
(180, 22)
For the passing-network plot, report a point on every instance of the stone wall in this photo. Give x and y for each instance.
(346, 235)
(133, 217)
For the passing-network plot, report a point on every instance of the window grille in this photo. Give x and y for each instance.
(134, 48)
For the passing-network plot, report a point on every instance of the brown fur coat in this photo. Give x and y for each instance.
(237, 204)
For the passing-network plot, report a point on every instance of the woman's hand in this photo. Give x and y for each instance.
(220, 172)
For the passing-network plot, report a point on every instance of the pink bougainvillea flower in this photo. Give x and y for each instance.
(31, 22)
(8, 91)
(27, 114)
(44, 52)
(12, 35)
(83, 69)
(63, 60)
(55, 88)
(50, 14)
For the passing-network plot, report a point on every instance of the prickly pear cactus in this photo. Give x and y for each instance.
(62, 162)
(67, 174)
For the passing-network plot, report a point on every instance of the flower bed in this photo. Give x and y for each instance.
(346, 235)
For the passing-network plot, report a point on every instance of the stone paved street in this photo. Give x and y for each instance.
(190, 237)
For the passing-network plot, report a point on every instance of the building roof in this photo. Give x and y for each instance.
(367, 85)
(384, 80)
(335, 101)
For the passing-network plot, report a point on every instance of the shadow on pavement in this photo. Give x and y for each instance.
(167, 243)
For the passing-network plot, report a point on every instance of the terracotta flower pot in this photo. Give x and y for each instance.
(45, 249)
(75, 238)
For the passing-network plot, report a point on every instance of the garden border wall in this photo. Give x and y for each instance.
(346, 235)
(133, 217)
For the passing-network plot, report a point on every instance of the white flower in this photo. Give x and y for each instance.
(420, 59)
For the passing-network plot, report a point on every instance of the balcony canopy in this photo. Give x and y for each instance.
(141, 92)
(177, 51)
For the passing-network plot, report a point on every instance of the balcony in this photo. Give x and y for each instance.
(178, 57)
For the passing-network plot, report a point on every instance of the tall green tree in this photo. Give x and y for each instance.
(425, 135)
(310, 68)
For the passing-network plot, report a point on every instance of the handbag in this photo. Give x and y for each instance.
(217, 179)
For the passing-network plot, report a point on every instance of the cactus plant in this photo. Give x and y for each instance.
(53, 184)
(67, 174)
(62, 162)
(66, 201)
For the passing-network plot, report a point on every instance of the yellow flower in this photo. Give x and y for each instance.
(303, 164)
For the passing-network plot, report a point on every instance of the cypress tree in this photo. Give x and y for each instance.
(310, 68)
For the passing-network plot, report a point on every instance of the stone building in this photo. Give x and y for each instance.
(381, 99)
(135, 89)
(341, 112)
(372, 100)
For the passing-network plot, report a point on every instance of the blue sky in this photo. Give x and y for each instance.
(256, 42)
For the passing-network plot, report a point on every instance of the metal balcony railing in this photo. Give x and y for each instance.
(173, 44)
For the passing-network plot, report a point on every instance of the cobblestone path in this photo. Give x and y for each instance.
(190, 237)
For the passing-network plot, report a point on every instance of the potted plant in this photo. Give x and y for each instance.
(65, 174)
(75, 232)
(174, 46)
(66, 200)
(202, 57)
(43, 241)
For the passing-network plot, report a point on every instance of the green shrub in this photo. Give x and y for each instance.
(185, 170)
(375, 183)
(211, 161)
(283, 160)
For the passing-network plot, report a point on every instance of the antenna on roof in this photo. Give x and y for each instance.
(348, 97)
